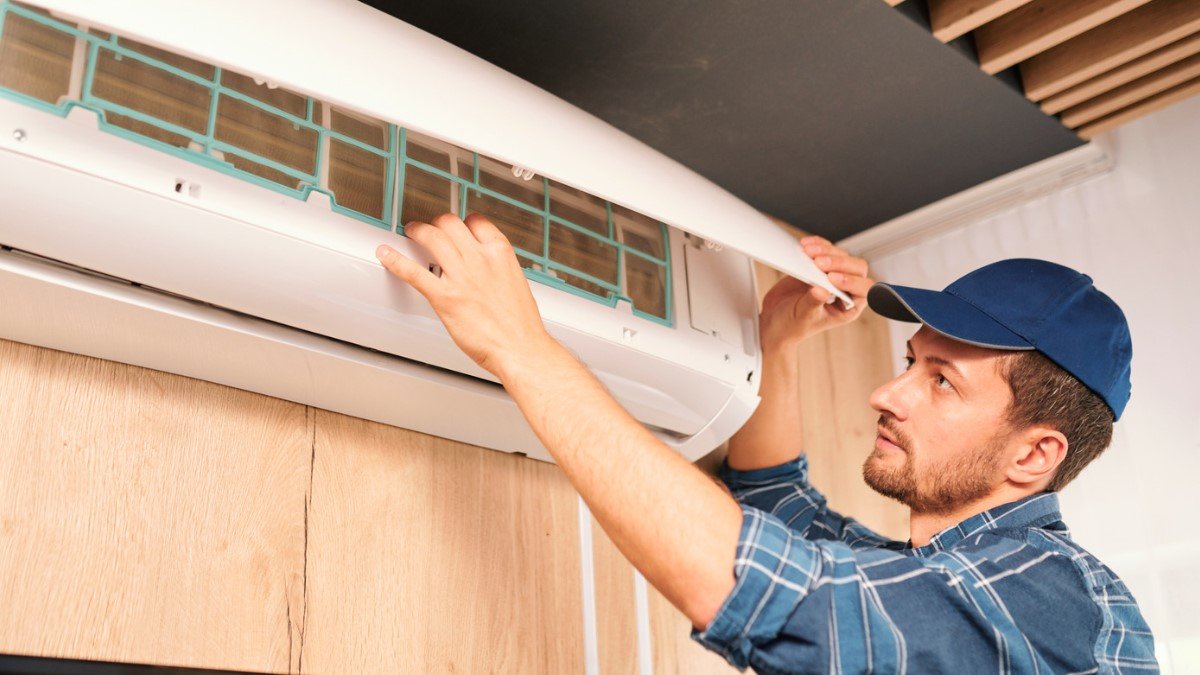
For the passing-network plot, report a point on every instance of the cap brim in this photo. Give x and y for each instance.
(945, 313)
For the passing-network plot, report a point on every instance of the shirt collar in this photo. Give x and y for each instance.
(1033, 511)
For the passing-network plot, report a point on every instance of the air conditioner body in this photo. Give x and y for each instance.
(132, 236)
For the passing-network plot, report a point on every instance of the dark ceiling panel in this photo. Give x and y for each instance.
(834, 115)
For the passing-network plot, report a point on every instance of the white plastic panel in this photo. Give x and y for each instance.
(352, 55)
(97, 201)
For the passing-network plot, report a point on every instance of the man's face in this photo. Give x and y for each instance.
(942, 428)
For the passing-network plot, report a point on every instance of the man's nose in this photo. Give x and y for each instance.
(891, 397)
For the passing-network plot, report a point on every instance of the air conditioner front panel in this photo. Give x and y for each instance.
(97, 201)
(370, 62)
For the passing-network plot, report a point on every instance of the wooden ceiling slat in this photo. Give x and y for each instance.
(952, 19)
(893, 3)
(1040, 25)
(1158, 102)
(1128, 94)
(1109, 45)
(1156, 60)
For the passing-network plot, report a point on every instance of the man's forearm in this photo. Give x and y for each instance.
(773, 435)
(676, 526)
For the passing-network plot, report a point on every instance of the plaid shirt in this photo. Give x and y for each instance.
(1004, 591)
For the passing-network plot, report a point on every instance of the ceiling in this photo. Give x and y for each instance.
(832, 115)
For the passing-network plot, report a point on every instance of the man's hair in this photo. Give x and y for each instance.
(1044, 393)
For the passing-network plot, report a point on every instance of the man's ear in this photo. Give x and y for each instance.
(1040, 451)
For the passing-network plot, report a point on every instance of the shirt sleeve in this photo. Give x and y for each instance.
(784, 492)
(820, 606)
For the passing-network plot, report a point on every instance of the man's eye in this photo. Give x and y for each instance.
(908, 362)
(943, 383)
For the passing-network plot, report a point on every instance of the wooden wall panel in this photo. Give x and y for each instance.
(426, 555)
(616, 613)
(147, 517)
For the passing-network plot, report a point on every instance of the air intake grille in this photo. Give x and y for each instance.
(371, 169)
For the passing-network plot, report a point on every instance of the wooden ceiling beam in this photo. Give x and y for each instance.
(1040, 25)
(1129, 94)
(1158, 102)
(952, 19)
(1109, 45)
(1155, 60)
(893, 3)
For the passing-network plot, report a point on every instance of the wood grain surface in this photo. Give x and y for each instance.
(426, 555)
(147, 517)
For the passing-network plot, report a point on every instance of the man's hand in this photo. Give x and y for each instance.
(793, 310)
(481, 294)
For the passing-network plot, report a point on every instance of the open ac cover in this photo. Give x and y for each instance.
(200, 189)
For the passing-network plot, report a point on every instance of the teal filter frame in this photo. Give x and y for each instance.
(207, 150)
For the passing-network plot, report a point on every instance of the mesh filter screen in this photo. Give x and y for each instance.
(638, 231)
(425, 196)
(584, 253)
(266, 134)
(287, 101)
(139, 86)
(289, 142)
(35, 60)
(523, 228)
(181, 62)
(646, 282)
(499, 178)
(579, 207)
(370, 131)
(358, 178)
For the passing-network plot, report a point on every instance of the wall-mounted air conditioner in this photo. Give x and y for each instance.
(200, 187)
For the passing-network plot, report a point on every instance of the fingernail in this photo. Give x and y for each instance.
(823, 260)
(384, 252)
(812, 249)
(836, 277)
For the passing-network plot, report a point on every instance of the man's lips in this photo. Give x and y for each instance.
(885, 441)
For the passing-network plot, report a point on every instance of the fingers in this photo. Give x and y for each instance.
(407, 269)
(435, 240)
(854, 285)
(484, 230)
(456, 231)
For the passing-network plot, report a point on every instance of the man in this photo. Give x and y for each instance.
(1013, 383)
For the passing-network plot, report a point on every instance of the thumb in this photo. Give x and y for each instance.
(407, 269)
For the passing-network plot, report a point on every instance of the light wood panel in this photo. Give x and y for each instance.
(616, 613)
(951, 19)
(1040, 25)
(148, 517)
(1158, 102)
(1109, 45)
(1129, 94)
(1145, 65)
(426, 555)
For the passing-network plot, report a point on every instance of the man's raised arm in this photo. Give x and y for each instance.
(792, 312)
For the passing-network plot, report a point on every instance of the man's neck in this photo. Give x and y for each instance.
(922, 526)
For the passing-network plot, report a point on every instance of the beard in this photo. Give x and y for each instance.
(942, 488)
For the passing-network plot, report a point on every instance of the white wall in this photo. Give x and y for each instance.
(1136, 231)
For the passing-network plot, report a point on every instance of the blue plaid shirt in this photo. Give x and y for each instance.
(1004, 591)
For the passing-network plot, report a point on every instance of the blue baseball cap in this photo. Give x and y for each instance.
(1027, 304)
